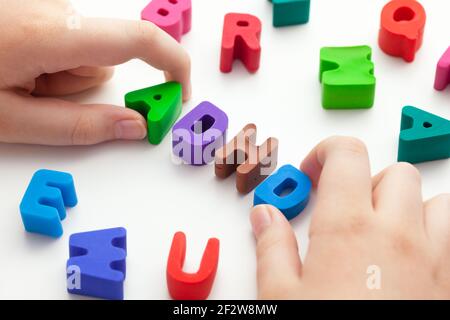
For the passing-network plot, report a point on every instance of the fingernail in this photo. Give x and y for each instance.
(261, 219)
(130, 130)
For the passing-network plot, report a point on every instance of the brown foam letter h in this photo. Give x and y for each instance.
(252, 163)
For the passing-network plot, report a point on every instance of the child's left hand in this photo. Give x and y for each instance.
(43, 55)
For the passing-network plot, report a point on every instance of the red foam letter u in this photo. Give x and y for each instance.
(402, 28)
(191, 286)
(241, 40)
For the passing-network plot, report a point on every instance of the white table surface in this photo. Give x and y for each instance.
(137, 186)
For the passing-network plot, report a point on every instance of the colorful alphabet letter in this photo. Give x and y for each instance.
(252, 163)
(172, 16)
(288, 189)
(191, 286)
(443, 72)
(199, 134)
(241, 40)
(160, 105)
(43, 205)
(99, 258)
(346, 74)
(402, 28)
(290, 12)
(423, 137)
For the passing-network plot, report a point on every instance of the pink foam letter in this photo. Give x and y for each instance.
(443, 72)
(173, 16)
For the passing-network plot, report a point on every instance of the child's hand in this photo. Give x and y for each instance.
(45, 53)
(361, 225)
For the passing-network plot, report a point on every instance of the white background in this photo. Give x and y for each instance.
(137, 186)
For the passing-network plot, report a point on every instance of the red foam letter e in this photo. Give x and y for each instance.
(402, 28)
(241, 40)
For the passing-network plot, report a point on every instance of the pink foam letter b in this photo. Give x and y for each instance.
(173, 16)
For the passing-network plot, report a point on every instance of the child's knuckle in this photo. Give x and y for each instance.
(83, 131)
(357, 224)
(407, 169)
(349, 144)
(144, 32)
(403, 242)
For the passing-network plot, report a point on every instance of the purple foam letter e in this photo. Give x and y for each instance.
(199, 134)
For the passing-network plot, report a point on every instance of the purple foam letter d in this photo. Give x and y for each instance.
(199, 134)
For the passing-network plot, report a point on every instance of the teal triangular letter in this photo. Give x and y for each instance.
(423, 137)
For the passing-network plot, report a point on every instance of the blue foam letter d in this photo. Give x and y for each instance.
(287, 189)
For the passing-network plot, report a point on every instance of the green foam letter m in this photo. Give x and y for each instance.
(347, 77)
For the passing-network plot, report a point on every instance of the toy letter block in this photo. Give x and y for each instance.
(402, 28)
(199, 134)
(241, 40)
(43, 205)
(160, 105)
(423, 137)
(346, 74)
(252, 163)
(288, 189)
(100, 258)
(443, 72)
(290, 12)
(172, 16)
(191, 286)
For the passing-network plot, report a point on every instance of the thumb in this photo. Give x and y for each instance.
(26, 119)
(279, 264)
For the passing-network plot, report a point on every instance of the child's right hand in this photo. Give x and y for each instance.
(361, 227)
(45, 54)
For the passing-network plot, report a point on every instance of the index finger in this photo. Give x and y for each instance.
(108, 42)
(340, 169)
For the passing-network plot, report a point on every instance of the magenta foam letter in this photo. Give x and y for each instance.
(173, 16)
(443, 72)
